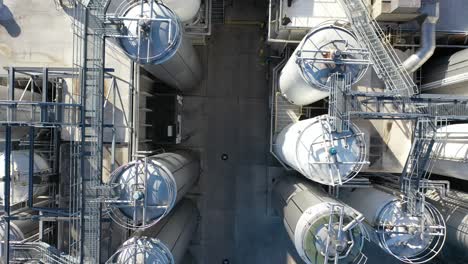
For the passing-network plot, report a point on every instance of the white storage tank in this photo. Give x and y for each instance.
(451, 152)
(186, 10)
(447, 75)
(153, 36)
(409, 238)
(326, 50)
(310, 147)
(147, 190)
(454, 208)
(19, 175)
(164, 243)
(307, 212)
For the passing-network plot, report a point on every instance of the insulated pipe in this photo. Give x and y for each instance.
(428, 38)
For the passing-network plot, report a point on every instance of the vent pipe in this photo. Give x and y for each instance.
(430, 16)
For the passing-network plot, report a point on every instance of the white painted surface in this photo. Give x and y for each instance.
(304, 81)
(311, 13)
(299, 146)
(186, 10)
(165, 52)
(452, 160)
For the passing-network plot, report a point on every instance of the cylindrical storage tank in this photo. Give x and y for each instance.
(186, 10)
(19, 229)
(447, 75)
(19, 175)
(330, 158)
(454, 209)
(326, 50)
(154, 37)
(451, 152)
(409, 238)
(164, 243)
(22, 113)
(306, 211)
(148, 189)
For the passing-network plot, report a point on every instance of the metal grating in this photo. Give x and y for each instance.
(385, 60)
(217, 12)
(88, 59)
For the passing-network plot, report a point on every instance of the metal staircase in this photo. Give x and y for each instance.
(384, 58)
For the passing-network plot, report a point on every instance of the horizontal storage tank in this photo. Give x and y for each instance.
(19, 229)
(19, 175)
(153, 36)
(186, 10)
(447, 75)
(454, 208)
(409, 238)
(307, 213)
(326, 50)
(330, 158)
(164, 243)
(452, 152)
(147, 191)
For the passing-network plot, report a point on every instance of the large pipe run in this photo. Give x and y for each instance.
(307, 211)
(428, 38)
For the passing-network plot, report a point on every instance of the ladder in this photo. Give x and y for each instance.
(417, 164)
(92, 94)
(384, 58)
(340, 85)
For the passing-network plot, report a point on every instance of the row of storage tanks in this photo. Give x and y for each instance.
(331, 158)
(148, 193)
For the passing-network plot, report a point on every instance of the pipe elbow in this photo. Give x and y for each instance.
(428, 38)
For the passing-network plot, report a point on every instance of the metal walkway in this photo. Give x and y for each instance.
(88, 60)
(385, 61)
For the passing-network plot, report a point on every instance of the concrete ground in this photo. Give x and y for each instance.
(229, 114)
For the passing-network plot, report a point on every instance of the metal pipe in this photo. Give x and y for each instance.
(428, 38)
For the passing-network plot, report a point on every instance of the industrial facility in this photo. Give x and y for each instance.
(234, 131)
